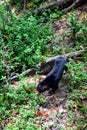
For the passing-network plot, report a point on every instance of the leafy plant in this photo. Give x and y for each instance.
(24, 41)
(77, 74)
(78, 29)
(12, 102)
(81, 36)
(70, 105)
(56, 13)
(75, 25)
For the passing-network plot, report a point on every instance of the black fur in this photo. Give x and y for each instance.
(51, 81)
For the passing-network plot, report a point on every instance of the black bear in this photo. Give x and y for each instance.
(51, 81)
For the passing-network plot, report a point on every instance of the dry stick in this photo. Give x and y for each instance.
(76, 4)
(67, 4)
(53, 5)
(68, 55)
(28, 72)
(49, 62)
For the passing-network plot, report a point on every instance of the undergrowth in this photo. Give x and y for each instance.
(77, 74)
(18, 107)
(77, 85)
(77, 29)
(24, 42)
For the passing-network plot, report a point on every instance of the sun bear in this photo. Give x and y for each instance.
(51, 81)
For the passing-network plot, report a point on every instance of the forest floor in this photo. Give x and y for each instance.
(56, 114)
(59, 111)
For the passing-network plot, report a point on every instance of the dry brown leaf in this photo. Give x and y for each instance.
(41, 113)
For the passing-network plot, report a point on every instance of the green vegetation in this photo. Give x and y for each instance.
(77, 30)
(77, 74)
(26, 40)
(22, 105)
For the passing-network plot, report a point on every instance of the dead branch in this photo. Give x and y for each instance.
(46, 66)
(50, 61)
(28, 72)
(65, 5)
(59, 3)
(76, 4)
(68, 55)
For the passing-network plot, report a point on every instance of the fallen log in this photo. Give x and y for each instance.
(60, 3)
(65, 5)
(68, 55)
(50, 61)
(45, 67)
